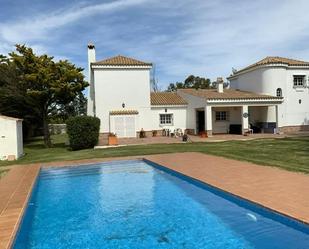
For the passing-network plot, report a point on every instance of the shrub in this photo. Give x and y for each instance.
(83, 132)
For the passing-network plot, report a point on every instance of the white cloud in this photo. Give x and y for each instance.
(35, 28)
(202, 37)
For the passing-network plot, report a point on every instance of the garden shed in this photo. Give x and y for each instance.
(11, 138)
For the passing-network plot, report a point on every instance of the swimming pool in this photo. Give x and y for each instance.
(138, 204)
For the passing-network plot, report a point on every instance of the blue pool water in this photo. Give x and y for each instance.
(133, 204)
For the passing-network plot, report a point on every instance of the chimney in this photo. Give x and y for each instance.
(91, 53)
(91, 101)
(220, 85)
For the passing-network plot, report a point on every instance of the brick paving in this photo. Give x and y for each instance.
(283, 191)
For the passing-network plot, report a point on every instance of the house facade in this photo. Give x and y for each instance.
(222, 111)
(281, 77)
(120, 95)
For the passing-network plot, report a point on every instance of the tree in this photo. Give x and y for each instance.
(77, 107)
(14, 101)
(43, 84)
(191, 82)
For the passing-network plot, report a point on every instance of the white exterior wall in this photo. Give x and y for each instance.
(223, 126)
(11, 138)
(262, 114)
(179, 117)
(193, 104)
(295, 113)
(19, 136)
(113, 87)
(90, 97)
(267, 80)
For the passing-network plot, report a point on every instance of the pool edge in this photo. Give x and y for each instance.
(38, 166)
(12, 212)
(259, 205)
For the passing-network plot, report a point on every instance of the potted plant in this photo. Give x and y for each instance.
(142, 133)
(154, 133)
(203, 134)
(112, 139)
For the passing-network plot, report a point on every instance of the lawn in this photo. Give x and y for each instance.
(288, 153)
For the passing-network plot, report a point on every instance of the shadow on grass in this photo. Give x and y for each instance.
(42, 146)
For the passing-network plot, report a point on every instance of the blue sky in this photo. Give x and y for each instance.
(201, 37)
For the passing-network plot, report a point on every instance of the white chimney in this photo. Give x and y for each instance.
(91, 53)
(91, 100)
(220, 85)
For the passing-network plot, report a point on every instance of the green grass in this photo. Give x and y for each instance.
(288, 153)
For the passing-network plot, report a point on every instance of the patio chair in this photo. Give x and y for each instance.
(178, 132)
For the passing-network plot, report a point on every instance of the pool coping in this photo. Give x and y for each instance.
(16, 188)
(229, 195)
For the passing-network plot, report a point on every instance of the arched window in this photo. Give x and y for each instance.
(279, 92)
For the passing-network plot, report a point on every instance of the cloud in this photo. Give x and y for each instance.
(34, 28)
(201, 37)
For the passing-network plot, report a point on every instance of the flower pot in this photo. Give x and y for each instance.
(112, 140)
(203, 134)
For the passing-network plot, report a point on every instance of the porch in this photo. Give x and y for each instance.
(237, 119)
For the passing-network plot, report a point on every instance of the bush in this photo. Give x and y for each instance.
(83, 132)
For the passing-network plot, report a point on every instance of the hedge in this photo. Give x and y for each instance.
(83, 132)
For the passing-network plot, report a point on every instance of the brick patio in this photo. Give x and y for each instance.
(280, 190)
(193, 138)
(284, 191)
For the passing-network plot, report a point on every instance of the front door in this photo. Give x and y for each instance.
(200, 121)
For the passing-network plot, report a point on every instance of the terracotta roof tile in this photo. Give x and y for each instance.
(120, 60)
(269, 60)
(123, 112)
(166, 98)
(227, 94)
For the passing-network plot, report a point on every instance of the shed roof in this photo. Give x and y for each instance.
(10, 118)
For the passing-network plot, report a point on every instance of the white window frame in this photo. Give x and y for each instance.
(222, 116)
(163, 117)
(298, 83)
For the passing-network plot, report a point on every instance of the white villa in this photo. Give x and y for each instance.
(268, 96)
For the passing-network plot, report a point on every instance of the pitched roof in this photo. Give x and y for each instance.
(120, 60)
(227, 94)
(269, 60)
(166, 98)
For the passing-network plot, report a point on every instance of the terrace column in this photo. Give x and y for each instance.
(244, 118)
(277, 120)
(208, 120)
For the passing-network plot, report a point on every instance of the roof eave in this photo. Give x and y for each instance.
(169, 105)
(274, 100)
(285, 65)
(94, 66)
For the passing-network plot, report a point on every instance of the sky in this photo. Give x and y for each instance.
(181, 37)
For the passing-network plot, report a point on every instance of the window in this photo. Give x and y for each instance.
(299, 80)
(279, 92)
(166, 119)
(222, 116)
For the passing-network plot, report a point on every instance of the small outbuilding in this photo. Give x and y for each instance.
(11, 138)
